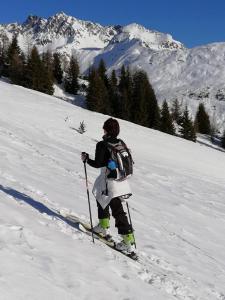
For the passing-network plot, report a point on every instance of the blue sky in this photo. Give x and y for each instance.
(193, 22)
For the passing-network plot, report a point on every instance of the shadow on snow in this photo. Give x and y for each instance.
(40, 207)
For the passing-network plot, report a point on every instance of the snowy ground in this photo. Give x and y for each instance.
(178, 209)
(78, 100)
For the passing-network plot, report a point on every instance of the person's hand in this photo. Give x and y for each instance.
(84, 156)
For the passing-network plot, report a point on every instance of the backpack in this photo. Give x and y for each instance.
(120, 160)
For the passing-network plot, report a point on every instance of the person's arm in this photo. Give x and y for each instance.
(100, 156)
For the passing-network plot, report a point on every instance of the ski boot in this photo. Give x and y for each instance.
(127, 245)
(102, 229)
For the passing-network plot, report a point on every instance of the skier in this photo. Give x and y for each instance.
(108, 191)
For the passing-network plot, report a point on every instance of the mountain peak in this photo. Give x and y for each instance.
(61, 14)
(134, 27)
(147, 38)
(32, 19)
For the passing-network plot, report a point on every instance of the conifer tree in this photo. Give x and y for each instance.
(2, 58)
(202, 121)
(154, 114)
(2, 62)
(122, 82)
(47, 78)
(16, 68)
(57, 68)
(34, 70)
(127, 104)
(144, 109)
(125, 94)
(71, 83)
(13, 48)
(140, 103)
(4, 45)
(114, 94)
(176, 112)
(97, 94)
(102, 73)
(187, 129)
(223, 140)
(82, 128)
(15, 61)
(38, 72)
(166, 122)
(91, 100)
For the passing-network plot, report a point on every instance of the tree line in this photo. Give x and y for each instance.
(126, 95)
(130, 96)
(37, 72)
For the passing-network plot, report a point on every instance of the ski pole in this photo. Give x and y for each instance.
(131, 223)
(89, 204)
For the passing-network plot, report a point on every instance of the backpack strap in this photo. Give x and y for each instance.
(128, 150)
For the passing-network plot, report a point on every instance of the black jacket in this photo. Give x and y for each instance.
(102, 154)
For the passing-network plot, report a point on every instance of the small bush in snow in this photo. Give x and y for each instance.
(82, 128)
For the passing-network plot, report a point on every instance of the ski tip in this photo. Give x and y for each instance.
(82, 228)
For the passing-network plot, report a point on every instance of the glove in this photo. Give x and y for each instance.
(84, 157)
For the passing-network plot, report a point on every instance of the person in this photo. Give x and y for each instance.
(109, 192)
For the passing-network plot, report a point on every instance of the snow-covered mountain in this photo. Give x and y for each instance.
(87, 40)
(191, 75)
(58, 31)
(177, 209)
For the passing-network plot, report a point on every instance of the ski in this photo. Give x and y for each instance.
(86, 228)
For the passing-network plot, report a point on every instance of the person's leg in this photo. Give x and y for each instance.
(121, 221)
(103, 213)
(124, 228)
(103, 216)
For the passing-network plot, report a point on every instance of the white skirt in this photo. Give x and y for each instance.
(106, 189)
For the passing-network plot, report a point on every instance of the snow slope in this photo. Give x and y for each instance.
(178, 209)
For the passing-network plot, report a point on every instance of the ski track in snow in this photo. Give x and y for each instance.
(150, 269)
(36, 151)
